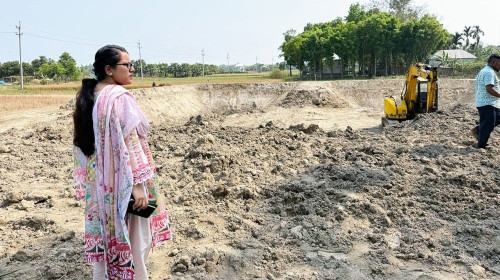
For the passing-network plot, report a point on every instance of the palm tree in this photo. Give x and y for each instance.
(476, 34)
(467, 33)
(456, 40)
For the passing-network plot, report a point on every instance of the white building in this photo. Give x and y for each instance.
(458, 55)
(239, 67)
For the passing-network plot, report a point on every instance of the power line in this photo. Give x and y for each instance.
(167, 52)
(92, 40)
(170, 57)
(169, 49)
(59, 40)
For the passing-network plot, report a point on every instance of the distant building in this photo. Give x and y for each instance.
(239, 68)
(458, 55)
(333, 69)
(264, 68)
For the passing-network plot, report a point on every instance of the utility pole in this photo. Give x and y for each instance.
(203, 62)
(140, 57)
(19, 33)
(256, 66)
(227, 62)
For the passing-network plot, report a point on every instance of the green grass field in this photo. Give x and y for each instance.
(72, 87)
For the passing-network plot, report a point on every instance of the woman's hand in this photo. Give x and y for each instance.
(141, 201)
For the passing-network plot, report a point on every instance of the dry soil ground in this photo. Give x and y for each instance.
(273, 181)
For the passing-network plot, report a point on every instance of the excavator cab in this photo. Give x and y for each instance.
(420, 95)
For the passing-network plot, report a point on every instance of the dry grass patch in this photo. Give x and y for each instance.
(21, 102)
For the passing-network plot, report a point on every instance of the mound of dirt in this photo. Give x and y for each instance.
(273, 201)
(319, 97)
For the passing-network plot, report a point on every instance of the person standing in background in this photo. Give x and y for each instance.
(487, 101)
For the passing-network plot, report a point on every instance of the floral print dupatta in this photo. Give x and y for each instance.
(109, 180)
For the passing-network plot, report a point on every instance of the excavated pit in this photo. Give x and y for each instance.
(275, 181)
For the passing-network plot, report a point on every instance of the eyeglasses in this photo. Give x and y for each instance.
(128, 65)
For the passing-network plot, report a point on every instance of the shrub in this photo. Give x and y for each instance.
(278, 74)
(47, 81)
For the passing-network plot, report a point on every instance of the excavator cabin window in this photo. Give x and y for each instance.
(422, 87)
(422, 97)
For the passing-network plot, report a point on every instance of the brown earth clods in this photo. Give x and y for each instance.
(261, 185)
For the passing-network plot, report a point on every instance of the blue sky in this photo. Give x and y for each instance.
(177, 31)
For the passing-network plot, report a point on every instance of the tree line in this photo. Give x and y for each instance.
(174, 70)
(64, 69)
(386, 35)
(182, 70)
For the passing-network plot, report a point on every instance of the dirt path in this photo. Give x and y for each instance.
(27, 118)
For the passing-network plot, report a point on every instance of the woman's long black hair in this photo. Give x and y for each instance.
(83, 134)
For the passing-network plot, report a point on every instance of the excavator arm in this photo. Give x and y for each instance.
(420, 95)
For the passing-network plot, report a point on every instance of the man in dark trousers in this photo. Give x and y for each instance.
(487, 101)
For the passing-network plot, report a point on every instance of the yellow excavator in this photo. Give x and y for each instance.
(419, 95)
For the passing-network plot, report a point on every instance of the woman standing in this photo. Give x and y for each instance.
(112, 163)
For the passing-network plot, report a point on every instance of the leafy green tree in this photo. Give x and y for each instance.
(281, 65)
(432, 36)
(482, 54)
(9, 68)
(150, 70)
(292, 54)
(289, 34)
(374, 31)
(185, 69)
(343, 41)
(356, 13)
(137, 66)
(27, 69)
(69, 69)
(87, 71)
(196, 69)
(222, 68)
(404, 10)
(409, 42)
(51, 70)
(36, 63)
(211, 69)
(175, 70)
(316, 46)
(163, 70)
(389, 38)
(419, 38)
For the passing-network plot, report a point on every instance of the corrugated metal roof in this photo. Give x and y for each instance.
(457, 54)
